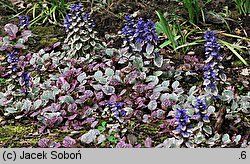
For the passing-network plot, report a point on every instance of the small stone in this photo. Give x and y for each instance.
(191, 53)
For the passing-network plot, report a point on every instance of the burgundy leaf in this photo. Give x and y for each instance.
(146, 118)
(41, 129)
(44, 142)
(72, 117)
(88, 120)
(155, 96)
(132, 77)
(148, 142)
(72, 108)
(26, 34)
(56, 45)
(99, 96)
(88, 93)
(11, 30)
(73, 86)
(19, 46)
(68, 142)
(93, 125)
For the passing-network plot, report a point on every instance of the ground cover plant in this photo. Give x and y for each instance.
(124, 74)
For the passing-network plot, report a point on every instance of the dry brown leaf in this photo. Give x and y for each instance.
(18, 3)
(245, 72)
(2, 58)
(237, 31)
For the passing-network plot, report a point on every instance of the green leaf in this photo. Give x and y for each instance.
(198, 126)
(36, 80)
(165, 84)
(194, 43)
(81, 77)
(173, 97)
(158, 61)
(68, 99)
(109, 51)
(227, 95)
(37, 104)
(109, 72)
(223, 77)
(138, 46)
(152, 105)
(97, 87)
(149, 49)
(112, 139)
(10, 110)
(175, 84)
(189, 144)
(75, 30)
(231, 48)
(18, 105)
(92, 43)
(208, 130)
(104, 123)
(226, 139)
(65, 86)
(158, 88)
(76, 37)
(35, 90)
(86, 47)
(237, 138)
(138, 62)
(216, 137)
(168, 42)
(192, 90)
(108, 90)
(165, 27)
(211, 109)
(153, 79)
(101, 128)
(157, 73)
(199, 139)
(103, 80)
(78, 46)
(27, 105)
(98, 75)
(6, 39)
(234, 106)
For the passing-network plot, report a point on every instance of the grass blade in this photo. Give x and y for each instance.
(231, 48)
(166, 29)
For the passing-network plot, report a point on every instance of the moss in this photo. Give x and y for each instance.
(48, 41)
(43, 31)
(144, 131)
(13, 136)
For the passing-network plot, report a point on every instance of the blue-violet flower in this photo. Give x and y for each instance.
(182, 121)
(213, 67)
(24, 21)
(140, 36)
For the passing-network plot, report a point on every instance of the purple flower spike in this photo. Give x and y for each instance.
(182, 120)
(140, 33)
(213, 67)
(24, 21)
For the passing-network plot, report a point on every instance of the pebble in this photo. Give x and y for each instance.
(191, 53)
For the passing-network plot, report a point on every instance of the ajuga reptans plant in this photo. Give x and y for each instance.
(81, 38)
(140, 38)
(213, 68)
